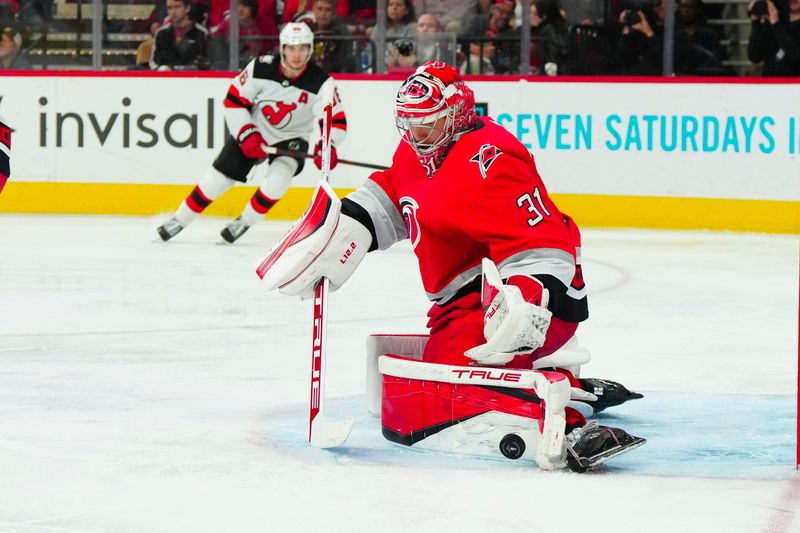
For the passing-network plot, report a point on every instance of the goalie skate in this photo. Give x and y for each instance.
(608, 393)
(234, 230)
(592, 445)
(169, 229)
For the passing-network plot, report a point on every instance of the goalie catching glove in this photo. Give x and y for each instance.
(323, 243)
(513, 324)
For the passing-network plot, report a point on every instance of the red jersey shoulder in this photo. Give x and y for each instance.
(486, 149)
(485, 156)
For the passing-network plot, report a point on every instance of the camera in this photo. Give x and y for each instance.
(404, 47)
(630, 17)
(759, 9)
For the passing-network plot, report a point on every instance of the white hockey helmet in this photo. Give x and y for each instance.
(297, 33)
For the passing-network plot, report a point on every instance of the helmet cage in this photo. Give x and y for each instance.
(439, 133)
(433, 106)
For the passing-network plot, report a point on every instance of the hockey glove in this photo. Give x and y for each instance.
(323, 243)
(512, 325)
(251, 142)
(318, 156)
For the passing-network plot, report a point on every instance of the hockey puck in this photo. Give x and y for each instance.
(512, 446)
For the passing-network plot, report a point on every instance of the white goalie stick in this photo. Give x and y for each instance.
(323, 432)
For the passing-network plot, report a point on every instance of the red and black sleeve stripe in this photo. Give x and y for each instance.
(233, 100)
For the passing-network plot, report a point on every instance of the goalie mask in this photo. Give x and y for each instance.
(433, 106)
(296, 33)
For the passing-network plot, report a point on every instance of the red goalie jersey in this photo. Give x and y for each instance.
(486, 200)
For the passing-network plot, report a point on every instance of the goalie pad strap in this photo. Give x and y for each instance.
(354, 210)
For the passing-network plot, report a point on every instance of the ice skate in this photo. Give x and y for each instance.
(234, 230)
(609, 393)
(592, 445)
(169, 229)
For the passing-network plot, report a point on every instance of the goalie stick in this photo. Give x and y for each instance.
(292, 153)
(323, 432)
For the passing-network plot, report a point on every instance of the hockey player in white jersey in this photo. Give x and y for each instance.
(270, 103)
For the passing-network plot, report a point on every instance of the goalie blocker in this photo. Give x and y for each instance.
(484, 411)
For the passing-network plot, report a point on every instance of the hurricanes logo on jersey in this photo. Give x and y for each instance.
(485, 157)
(279, 114)
(408, 208)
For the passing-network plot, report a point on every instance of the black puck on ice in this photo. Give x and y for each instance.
(512, 446)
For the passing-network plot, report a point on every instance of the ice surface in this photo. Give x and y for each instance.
(154, 387)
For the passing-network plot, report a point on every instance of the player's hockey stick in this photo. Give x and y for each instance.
(322, 432)
(291, 153)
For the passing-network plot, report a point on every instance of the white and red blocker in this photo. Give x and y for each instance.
(323, 243)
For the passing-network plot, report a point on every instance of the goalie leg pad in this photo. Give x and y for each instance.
(481, 420)
(459, 418)
(380, 344)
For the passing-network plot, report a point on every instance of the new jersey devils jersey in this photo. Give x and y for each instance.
(486, 200)
(281, 108)
(5, 153)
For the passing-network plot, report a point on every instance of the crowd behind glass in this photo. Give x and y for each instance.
(564, 37)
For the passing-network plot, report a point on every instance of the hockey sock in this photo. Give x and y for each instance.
(211, 186)
(257, 207)
(276, 183)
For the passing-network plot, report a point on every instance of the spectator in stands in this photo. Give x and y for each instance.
(332, 55)
(8, 12)
(775, 37)
(362, 16)
(35, 12)
(200, 13)
(401, 21)
(295, 10)
(480, 59)
(639, 51)
(431, 44)
(452, 14)
(697, 44)
(496, 21)
(584, 12)
(549, 49)
(11, 55)
(485, 56)
(250, 25)
(266, 13)
(181, 44)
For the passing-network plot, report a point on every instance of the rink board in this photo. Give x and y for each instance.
(723, 155)
(589, 210)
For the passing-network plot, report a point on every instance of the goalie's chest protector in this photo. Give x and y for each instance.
(470, 209)
(286, 108)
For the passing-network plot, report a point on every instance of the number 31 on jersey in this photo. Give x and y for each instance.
(534, 204)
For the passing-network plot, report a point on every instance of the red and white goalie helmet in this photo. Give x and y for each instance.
(432, 107)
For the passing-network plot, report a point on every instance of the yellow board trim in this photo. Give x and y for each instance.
(588, 210)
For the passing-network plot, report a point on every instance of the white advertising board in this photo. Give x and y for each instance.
(705, 140)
